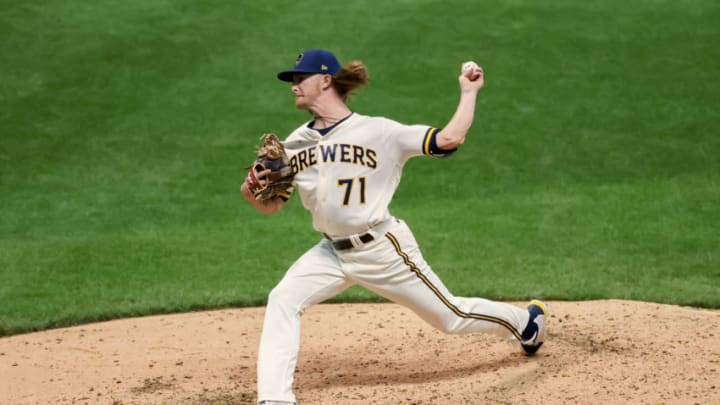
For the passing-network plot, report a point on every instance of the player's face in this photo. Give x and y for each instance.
(307, 88)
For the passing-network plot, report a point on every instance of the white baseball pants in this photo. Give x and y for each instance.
(392, 266)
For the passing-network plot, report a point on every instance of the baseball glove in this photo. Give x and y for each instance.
(278, 183)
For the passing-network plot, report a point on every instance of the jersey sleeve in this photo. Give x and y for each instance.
(417, 140)
(285, 195)
(430, 147)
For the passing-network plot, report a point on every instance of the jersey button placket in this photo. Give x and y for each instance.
(321, 184)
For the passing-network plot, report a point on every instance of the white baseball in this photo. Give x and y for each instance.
(469, 66)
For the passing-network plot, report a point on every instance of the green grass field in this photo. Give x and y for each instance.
(592, 171)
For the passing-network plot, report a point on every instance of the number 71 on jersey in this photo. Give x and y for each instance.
(348, 184)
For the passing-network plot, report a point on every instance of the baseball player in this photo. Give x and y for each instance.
(347, 167)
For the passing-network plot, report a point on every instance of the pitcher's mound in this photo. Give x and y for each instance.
(597, 352)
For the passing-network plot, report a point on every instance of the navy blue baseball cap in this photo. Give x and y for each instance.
(312, 61)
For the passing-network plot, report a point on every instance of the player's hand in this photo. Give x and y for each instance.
(254, 178)
(472, 77)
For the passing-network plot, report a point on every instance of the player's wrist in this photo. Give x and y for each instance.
(245, 191)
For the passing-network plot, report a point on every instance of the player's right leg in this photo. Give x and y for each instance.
(313, 278)
(394, 268)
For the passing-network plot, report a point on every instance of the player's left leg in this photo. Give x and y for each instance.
(394, 268)
(313, 278)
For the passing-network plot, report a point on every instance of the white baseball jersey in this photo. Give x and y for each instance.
(347, 177)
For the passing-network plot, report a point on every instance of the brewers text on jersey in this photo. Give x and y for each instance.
(343, 153)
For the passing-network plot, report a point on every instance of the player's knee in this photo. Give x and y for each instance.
(277, 296)
(282, 299)
(443, 325)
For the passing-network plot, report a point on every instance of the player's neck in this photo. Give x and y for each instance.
(329, 116)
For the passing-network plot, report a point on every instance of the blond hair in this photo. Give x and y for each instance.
(350, 77)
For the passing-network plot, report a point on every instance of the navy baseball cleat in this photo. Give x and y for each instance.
(534, 334)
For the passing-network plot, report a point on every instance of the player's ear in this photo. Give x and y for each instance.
(326, 82)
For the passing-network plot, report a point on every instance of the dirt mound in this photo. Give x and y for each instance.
(598, 352)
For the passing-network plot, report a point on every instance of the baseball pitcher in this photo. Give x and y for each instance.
(345, 167)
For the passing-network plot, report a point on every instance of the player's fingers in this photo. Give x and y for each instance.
(472, 75)
(470, 79)
(261, 174)
(251, 180)
(477, 76)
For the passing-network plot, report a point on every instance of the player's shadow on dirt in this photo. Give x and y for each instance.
(323, 373)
